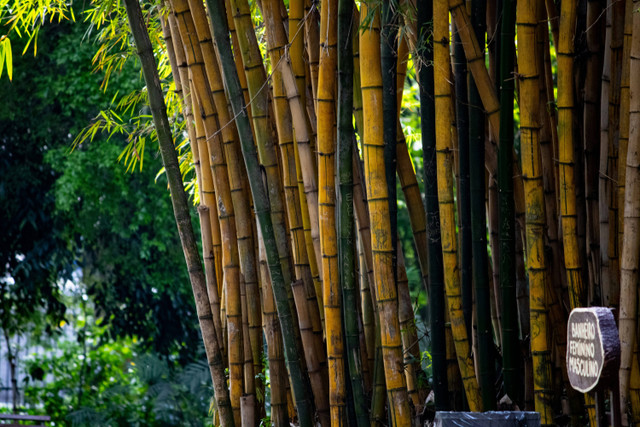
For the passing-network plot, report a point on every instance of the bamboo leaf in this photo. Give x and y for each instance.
(8, 58)
(2, 57)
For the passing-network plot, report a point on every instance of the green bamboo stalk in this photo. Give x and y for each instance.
(346, 221)
(436, 275)
(510, 347)
(180, 208)
(464, 208)
(485, 359)
(300, 387)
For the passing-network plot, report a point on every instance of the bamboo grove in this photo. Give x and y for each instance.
(527, 204)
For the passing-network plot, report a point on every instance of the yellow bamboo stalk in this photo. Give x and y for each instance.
(444, 147)
(237, 58)
(296, 46)
(528, 70)
(312, 35)
(326, 110)
(566, 159)
(377, 196)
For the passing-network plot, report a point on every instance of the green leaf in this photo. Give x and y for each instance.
(2, 56)
(8, 57)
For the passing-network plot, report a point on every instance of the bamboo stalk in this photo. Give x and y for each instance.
(617, 42)
(494, 236)
(444, 145)
(345, 136)
(389, 60)
(510, 352)
(435, 268)
(475, 150)
(528, 69)
(604, 183)
(623, 129)
(566, 154)
(326, 205)
(312, 37)
(463, 196)
(248, 409)
(591, 127)
(180, 208)
(378, 200)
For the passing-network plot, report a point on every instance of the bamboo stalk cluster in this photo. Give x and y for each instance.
(298, 208)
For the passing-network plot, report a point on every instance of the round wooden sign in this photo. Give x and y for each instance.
(593, 347)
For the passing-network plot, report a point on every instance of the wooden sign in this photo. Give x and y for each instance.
(593, 347)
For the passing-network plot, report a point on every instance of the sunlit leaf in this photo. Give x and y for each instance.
(8, 58)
